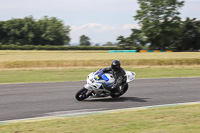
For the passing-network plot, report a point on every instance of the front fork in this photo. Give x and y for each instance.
(89, 92)
(89, 89)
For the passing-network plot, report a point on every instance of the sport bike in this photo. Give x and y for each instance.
(98, 81)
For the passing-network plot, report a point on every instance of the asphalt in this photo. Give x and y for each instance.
(28, 100)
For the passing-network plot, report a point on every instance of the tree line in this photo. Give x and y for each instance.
(45, 31)
(162, 28)
(28, 31)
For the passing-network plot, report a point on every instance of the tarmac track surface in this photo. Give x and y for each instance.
(18, 101)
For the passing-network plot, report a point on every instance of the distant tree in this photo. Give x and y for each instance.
(121, 40)
(189, 37)
(136, 39)
(108, 44)
(18, 31)
(84, 40)
(3, 34)
(160, 21)
(28, 31)
(52, 31)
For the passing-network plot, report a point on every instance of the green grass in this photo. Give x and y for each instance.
(180, 119)
(176, 119)
(55, 75)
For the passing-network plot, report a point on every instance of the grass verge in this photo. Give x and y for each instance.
(42, 59)
(97, 63)
(77, 74)
(174, 119)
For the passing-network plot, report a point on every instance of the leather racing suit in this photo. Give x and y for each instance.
(119, 75)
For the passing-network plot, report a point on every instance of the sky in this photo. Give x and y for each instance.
(101, 20)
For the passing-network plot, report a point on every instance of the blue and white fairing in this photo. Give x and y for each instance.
(96, 79)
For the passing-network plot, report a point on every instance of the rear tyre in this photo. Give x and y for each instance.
(115, 94)
(81, 94)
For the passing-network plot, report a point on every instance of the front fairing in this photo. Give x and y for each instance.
(94, 80)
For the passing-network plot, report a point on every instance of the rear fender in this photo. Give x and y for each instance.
(130, 76)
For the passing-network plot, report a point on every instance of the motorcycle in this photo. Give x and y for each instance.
(97, 82)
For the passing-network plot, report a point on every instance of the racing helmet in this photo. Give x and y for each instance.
(115, 65)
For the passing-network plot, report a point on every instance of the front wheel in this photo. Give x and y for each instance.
(117, 94)
(81, 94)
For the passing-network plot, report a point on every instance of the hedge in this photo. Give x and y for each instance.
(49, 47)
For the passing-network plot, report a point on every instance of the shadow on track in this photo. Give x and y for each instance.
(120, 99)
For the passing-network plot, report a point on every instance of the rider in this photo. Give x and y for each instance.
(118, 73)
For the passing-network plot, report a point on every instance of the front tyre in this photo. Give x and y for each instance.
(81, 94)
(117, 94)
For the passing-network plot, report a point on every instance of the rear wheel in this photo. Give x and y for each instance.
(117, 94)
(81, 94)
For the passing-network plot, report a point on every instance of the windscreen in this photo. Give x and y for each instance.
(100, 76)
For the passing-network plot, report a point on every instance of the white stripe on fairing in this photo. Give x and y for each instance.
(88, 111)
